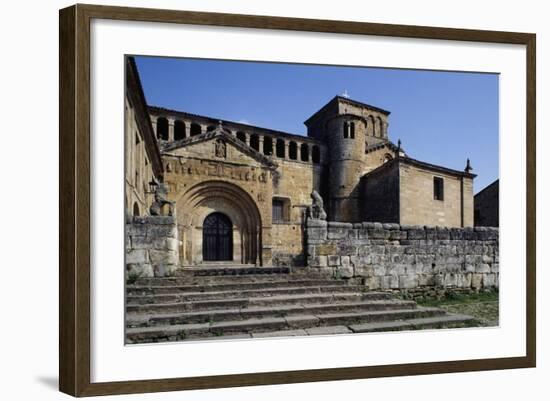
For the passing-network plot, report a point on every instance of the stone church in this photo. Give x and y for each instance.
(239, 193)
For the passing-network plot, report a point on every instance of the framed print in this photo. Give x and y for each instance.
(249, 200)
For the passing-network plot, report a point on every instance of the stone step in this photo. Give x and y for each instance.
(347, 318)
(161, 296)
(168, 304)
(250, 285)
(229, 279)
(436, 322)
(222, 269)
(179, 332)
(141, 320)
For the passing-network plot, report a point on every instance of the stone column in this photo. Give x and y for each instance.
(154, 124)
(287, 144)
(247, 138)
(187, 129)
(261, 144)
(170, 129)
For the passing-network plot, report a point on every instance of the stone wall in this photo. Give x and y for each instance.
(399, 257)
(151, 246)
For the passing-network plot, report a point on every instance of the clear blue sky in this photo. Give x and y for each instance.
(440, 117)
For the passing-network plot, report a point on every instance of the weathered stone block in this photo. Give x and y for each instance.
(468, 268)
(363, 233)
(373, 283)
(326, 249)
(136, 230)
(346, 249)
(316, 223)
(489, 280)
(339, 225)
(172, 244)
(162, 231)
(316, 233)
(477, 280)
(396, 270)
(439, 279)
(483, 268)
(389, 282)
(407, 281)
(418, 233)
(137, 256)
(398, 235)
(379, 234)
(163, 257)
(364, 271)
(162, 270)
(451, 280)
(318, 261)
(136, 270)
(333, 260)
(380, 270)
(344, 261)
(426, 280)
(344, 271)
(337, 233)
(160, 220)
(464, 280)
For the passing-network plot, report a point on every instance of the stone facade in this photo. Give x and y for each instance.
(142, 160)
(402, 191)
(406, 257)
(260, 180)
(486, 210)
(151, 246)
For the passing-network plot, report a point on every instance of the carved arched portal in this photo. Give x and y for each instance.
(210, 197)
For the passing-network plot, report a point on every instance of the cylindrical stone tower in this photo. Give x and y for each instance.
(346, 149)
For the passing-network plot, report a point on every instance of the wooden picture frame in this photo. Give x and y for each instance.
(75, 207)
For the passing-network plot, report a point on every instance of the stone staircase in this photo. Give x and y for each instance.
(250, 302)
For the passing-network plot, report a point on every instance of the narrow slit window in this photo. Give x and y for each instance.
(438, 188)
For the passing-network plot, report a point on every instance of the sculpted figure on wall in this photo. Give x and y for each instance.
(161, 199)
(316, 210)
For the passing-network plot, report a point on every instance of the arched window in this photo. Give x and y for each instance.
(370, 126)
(315, 154)
(304, 152)
(387, 157)
(136, 209)
(378, 127)
(352, 130)
(241, 136)
(210, 128)
(280, 148)
(162, 128)
(292, 151)
(255, 142)
(179, 130)
(346, 129)
(195, 129)
(268, 146)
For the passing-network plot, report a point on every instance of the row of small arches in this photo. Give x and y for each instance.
(271, 147)
(377, 128)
